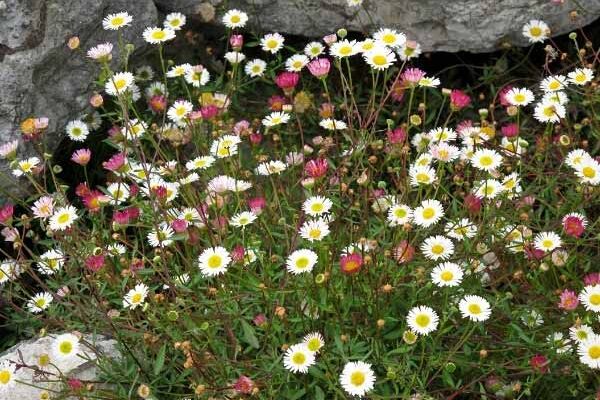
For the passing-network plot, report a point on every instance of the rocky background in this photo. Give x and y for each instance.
(40, 76)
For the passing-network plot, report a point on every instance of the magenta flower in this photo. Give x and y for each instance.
(157, 103)
(502, 95)
(237, 254)
(316, 168)
(179, 225)
(116, 162)
(287, 80)
(592, 279)
(244, 385)
(256, 204)
(95, 263)
(510, 130)
(209, 111)
(319, 67)
(396, 136)
(568, 300)
(6, 213)
(351, 264)
(459, 99)
(236, 42)
(412, 76)
(81, 156)
(574, 224)
(260, 320)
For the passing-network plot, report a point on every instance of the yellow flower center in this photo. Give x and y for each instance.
(120, 83)
(5, 377)
(235, 19)
(63, 218)
(582, 335)
(313, 344)
(299, 358)
(159, 35)
(486, 161)
(317, 207)
(422, 320)
(519, 98)
(345, 50)
(357, 378)
(389, 38)
(175, 22)
(40, 303)
(422, 177)
(447, 276)
(547, 243)
(437, 249)
(428, 213)
(554, 85)
(594, 352)
(535, 31)
(272, 43)
(474, 309)
(588, 172)
(549, 111)
(214, 261)
(595, 299)
(118, 21)
(314, 233)
(379, 59)
(580, 77)
(302, 262)
(136, 298)
(400, 213)
(65, 347)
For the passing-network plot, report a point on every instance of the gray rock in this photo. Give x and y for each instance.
(471, 25)
(40, 75)
(29, 351)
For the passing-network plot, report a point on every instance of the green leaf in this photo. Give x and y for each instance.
(160, 359)
(319, 394)
(249, 336)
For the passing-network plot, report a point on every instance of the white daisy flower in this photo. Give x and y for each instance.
(26, 166)
(553, 83)
(437, 248)
(276, 118)
(317, 205)
(461, 229)
(486, 159)
(580, 76)
(50, 262)
(118, 83)
(272, 42)
(118, 192)
(202, 162)
(161, 236)
(475, 308)
(536, 31)
(8, 377)
(314, 49)
(333, 124)
(197, 76)
(302, 260)
(379, 58)
(242, 219)
(422, 320)
(296, 62)
(313, 342)
(235, 19)
(39, 302)
(255, 68)
(589, 172)
(519, 96)
(135, 297)
(235, 57)
(344, 48)
(421, 175)
(174, 21)
(179, 111)
(390, 37)
(298, 358)
(428, 213)
(488, 189)
(399, 214)
(63, 218)
(65, 346)
(178, 70)
(271, 167)
(580, 333)
(314, 230)
(590, 298)
(116, 21)
(447, 274)
(101, 52)
(214, 261)
(156, 35)
(589, 351)
(357, 378)
(547, 241)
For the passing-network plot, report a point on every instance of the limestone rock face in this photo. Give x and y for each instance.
(40, 75)
(452, 25)
(28, 352)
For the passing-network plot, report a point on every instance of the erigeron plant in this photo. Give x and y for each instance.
(361, 233)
